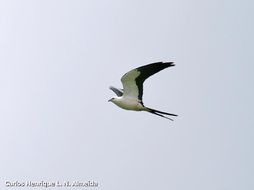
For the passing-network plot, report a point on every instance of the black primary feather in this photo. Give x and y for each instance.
(149, 70)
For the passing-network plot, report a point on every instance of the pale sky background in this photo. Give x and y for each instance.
(58, 58)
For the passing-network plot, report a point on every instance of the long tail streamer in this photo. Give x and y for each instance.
(160, 113)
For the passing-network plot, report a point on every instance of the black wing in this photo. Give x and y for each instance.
(147, 71)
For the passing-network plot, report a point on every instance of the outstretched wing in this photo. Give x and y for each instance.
(133, 80)
(119, 92)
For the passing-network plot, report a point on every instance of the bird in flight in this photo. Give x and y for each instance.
(130, 97)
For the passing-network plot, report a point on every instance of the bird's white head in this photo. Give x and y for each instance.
(111, 100)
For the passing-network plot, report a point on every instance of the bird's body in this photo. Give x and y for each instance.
(130, 97)
(128, 103)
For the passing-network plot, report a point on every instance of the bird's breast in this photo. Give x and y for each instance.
(129, 104)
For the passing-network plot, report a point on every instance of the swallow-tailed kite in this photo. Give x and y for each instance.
(130, 97)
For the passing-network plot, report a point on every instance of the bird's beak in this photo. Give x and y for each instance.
(109, 100)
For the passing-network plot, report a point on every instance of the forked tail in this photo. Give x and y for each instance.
(160, 113)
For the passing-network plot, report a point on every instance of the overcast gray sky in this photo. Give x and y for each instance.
(58, 58)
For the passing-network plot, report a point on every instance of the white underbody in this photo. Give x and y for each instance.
(129, 103)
